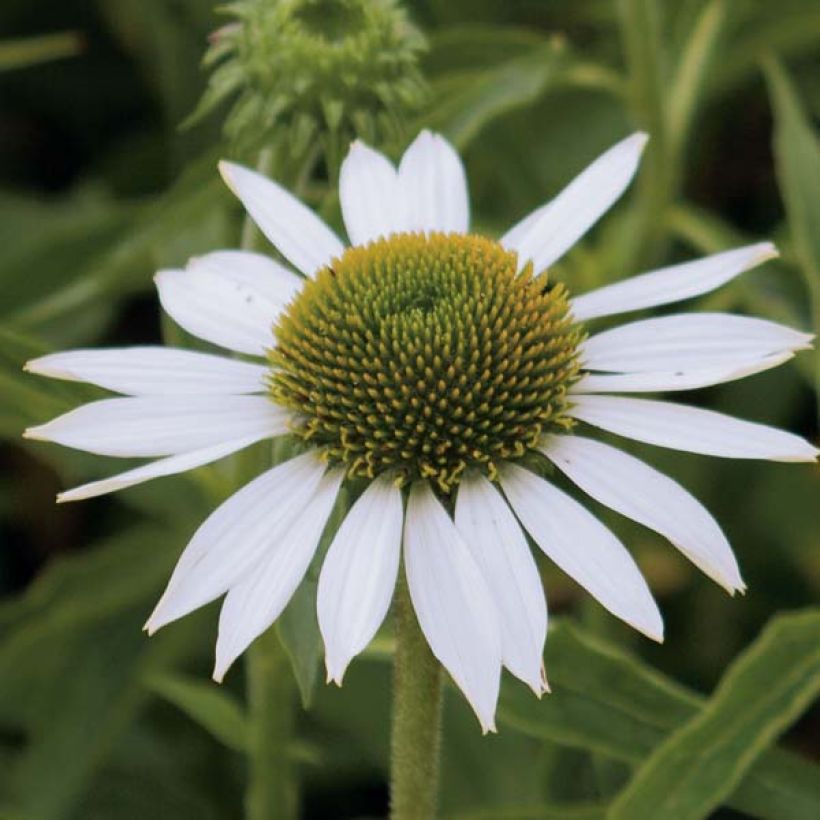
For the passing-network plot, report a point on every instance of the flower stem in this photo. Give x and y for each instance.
(417, 707)
(271, 791)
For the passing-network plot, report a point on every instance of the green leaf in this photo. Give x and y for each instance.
(608, 702)
(797, 156)
(466, 101)
(207, 704)
(698, 766)
(71, 657)
(95, 251)
(692, 72)
(568, 811)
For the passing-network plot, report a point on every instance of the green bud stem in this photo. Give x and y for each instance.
(417, 707)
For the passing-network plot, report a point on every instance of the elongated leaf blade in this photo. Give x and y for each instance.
(608, 702)
(697, 767)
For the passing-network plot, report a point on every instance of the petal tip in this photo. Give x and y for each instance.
(639, 140)
(227, 170)
(766, 251)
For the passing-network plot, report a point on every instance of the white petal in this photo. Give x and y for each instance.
(157, 469)
(162, 425)
(455, 609)
(359, 574)
(651, 382)
(583, 547)
(153, 371)
(237, 535)
(368, 191)
(274, 281)
(433, 186)
(500, 549)
(253, 604)
(672, 284)
(214, 308)
(691, 429)
(299, 235)
(548, 233)
(641, 493)
(687, 342)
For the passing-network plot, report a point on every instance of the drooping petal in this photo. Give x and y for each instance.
(688, 342)
(157, 469)
(254, 603)
(227, 313)
(237, 535)
(359, 574)
(494, 538)
(671, 284)
(299, 235)
(690, 429)
(454, 606)
(647, 496)
(153, 371)
(583, 547)
(162, 425)
(547, 234)
(368, 191)
(274, 281)
(670, 380)
(433, 186)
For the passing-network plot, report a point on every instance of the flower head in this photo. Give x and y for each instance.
(443, 371)
(309, 67)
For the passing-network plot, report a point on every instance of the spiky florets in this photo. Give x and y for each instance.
(426, 354)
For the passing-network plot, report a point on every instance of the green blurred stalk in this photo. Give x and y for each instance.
(664, 99)
(24, 52)
(272, 790)
(417, 706)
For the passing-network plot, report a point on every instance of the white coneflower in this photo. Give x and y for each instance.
(431, 364)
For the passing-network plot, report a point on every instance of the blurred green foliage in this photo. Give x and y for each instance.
(99, 188)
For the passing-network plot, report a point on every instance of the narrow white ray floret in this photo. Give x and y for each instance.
(672, 284)
(690, 429)
(302, 238)
(641, 493)
(359, 574)
(453, 604)
(648, 381)
(433, 187)
(548, 233)
(500, 549)
(259, 597)
(253, 270)
(583, 547)
(368, 193)
(237, 535)
(157, 469)
(144, 426)
(225, 312)
(688, 342)
(154, 371)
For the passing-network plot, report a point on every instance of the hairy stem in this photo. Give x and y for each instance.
(417, 706)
